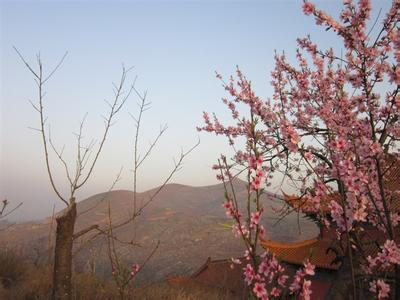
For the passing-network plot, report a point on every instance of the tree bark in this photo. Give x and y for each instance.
(62, 288)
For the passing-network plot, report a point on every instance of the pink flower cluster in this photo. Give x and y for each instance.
(387, 257)
(332, 125)
(270, 273)
(379, 288)
(255, 164)
(134, 269)
(300, 284)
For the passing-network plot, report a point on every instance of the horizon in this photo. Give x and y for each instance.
(175, 48)
(131, 191)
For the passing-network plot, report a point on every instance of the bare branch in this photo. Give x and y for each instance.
(59, 155)
(116, 106)
(117, 178)
(26, 64)
(35, 129)
(34, 106)
(55, 69)
(4, 205)
(175, 169)
(152, 145)
(39, 76)
(84, 231)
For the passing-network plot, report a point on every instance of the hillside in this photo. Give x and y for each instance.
(188, 221)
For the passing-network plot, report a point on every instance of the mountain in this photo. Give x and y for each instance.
(188, 222)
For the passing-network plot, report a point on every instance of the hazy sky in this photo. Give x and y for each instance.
(175, 48)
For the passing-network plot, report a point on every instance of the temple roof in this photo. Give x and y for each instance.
(216, 274)
(297, 253)
(219, 274)
(393, 174)
(304, 205)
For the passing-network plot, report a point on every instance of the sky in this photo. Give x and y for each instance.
(174, 47)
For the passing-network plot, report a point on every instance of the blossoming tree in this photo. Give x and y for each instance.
(331, 126)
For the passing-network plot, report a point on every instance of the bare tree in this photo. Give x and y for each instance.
(124, 275)
(86, 158)
(65, 235)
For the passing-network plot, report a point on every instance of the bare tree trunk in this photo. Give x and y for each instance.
(63, 254)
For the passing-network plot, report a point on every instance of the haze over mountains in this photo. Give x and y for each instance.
(188, 222)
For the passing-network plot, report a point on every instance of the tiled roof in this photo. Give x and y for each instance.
(304, 205)
(218, 274)
(215, 274)
(392, 175)
(395, 202)
(392, 182)
(297, 253)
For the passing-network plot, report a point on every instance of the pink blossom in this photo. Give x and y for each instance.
(276, 292)
(229, 208)
(308, 8)
(256, 183)
(260, 173)
(261, 230)
(309, 268)
(249, 274)
(392, 251)
(376, 148)
(259, 290)
(306, 290)
(282, 280)
(247, 254)
(395, 218)
(308, 155)
(380, 288)
(240, 230)
(236, 261)
(134, 269)
(255, 217)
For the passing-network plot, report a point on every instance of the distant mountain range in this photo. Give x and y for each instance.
(188, 222)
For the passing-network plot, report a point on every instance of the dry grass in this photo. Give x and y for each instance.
(22, 280)
(35, 283)
(13, 267)
(165, 292)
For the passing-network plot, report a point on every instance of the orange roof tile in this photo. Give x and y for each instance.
(297, 253)
(295, 245)
(214, 271)
(214, 274)
(392, 175)
(303, 204)
(392, 182)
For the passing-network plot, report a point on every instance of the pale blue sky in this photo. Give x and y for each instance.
(175, 47)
